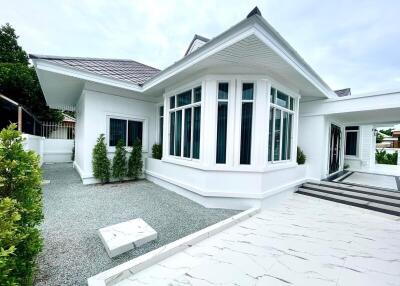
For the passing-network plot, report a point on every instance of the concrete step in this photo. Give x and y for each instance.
(354, 194)
(364, 190)
(383, 208)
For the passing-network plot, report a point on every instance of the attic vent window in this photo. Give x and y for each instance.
(253, 12)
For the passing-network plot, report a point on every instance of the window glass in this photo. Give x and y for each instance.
(178, 133)
(172, 134)
(351, 140)
(282, 99)
(291, 104)
(197, 94)
(245, 140)
(161, 125)
(247, 91)
(187, 136)
(270, 132)
(184, 98)
(273, 95)
(222, 123)
(172, 102)
(277, 135)
(117, 131)
(196, 132)
(223, 90)
(135, 131)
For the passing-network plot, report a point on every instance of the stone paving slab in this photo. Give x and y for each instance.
(125, 236)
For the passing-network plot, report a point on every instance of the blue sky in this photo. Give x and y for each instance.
(349, 43)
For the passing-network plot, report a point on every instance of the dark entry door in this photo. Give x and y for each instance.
(334, 150)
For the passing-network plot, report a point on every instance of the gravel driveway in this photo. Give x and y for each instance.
(74, 212)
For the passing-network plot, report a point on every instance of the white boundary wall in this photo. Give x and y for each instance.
(57, 150)
(49, 150)
(34, 143)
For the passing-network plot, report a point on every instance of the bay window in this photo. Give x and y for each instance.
(126, 130)
(281, 115)
(184, 125)
(247, 123)
(222, 122)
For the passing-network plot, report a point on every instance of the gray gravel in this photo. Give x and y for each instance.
(74, 212)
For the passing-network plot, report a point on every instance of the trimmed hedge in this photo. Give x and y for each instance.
(156, 151)
(100, 161)
(20, 209)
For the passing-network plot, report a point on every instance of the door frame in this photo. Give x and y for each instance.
(340, 163)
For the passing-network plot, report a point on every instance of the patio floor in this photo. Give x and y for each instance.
(302, 241)
(73, 213)
(374, 180)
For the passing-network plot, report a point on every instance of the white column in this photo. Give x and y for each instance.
(260, 126)
(209, 123)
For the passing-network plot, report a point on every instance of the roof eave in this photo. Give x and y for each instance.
(46, 65)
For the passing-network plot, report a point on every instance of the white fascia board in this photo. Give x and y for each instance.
(375, 101)
(72, 72)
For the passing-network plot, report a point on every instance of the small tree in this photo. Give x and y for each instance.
(301, 157)
(100, 162)
(119, 161)
(157, 151)
(20, 209)
(135, 163)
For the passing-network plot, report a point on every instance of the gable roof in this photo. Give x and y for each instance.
(343, 92)
(128, 70)
(196, 38)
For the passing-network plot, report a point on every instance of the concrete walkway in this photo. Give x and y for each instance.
(303, 241)
(74, 212)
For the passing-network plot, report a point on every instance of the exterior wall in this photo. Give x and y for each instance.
(57, 150)
(224, 189)
(93, 112)
(366, 146)
(34, 143)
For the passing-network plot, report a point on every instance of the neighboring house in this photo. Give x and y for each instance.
(62, 130)
(229, 115)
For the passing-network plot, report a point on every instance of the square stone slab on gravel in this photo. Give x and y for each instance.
(122, 237)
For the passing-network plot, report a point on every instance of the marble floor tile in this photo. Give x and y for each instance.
(303, 241)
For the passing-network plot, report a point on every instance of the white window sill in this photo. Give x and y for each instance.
(347, 157)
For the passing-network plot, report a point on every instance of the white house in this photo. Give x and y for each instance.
(229, 115)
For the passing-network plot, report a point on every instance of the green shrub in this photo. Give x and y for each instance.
(119, 161)
(382, 157)
(301, 157)
(157, 151)
(135, 162)
(73, 152)
(100, 161)
(20, 209)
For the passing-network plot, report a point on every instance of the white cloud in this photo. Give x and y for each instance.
(349, 43)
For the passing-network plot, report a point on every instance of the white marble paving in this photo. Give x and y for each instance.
(303, 241)
(376, 180)
(122, 237)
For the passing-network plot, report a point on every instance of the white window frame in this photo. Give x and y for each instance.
(357, 143)
(127, 118)
(292, 135)
(191, 106)
(158, 116)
